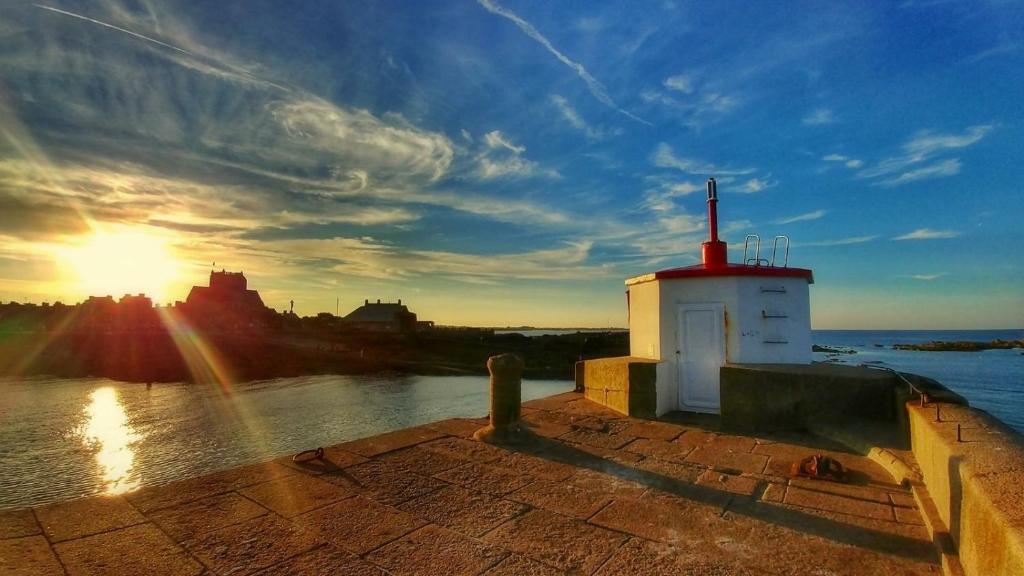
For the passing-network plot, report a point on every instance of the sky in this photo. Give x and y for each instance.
(501, 162)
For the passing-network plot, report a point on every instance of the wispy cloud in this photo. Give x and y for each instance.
(927, 234)
(801, 217)
(665, 157)
(928, 277)
(501, 158)
(574, 119)
(846, 160)
(755, 185)
(839, 242)
(596, 87)
(921, 148)
(819, 117)
(679, 83)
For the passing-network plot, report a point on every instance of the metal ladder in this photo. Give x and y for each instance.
(757, 260)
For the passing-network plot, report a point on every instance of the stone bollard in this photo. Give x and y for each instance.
(506, 396)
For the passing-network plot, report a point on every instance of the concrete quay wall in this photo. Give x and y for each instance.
(976, 479)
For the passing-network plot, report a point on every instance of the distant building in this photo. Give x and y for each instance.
(381, 317)
(226, 303)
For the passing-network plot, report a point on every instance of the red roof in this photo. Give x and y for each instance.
(702, 271)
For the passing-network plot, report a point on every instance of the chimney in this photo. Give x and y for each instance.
(714, 251)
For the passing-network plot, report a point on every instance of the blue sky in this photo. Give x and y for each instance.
(501, 162)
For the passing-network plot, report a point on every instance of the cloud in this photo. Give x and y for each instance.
(574, 119)
(939, 169)
(927, 234)
(590, 24)
(923, 147)
(846, 160)
(501, 158)
(665, 157)
(801, 217)
(679, 83)
(928, 277)
(839, 242)
(596, 88)
(819, 117)
(756, 185)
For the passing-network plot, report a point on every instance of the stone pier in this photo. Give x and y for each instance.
(597, 493)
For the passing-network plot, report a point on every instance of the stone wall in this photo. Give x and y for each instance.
(625, 384)
(976, 482)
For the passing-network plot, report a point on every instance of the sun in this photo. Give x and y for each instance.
(122, 261)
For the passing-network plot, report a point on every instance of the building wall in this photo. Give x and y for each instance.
(644, 321)
(751, 338)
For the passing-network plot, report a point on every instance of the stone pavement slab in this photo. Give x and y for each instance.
(555, 540)
(323, 561)
(18, 523)
(293, 495)
(77, 518)
(377, 445)
(189, 520)
(466, 511)
(434, 550)
(155, 497)
(251, 546)
(28, 556)
(140, 549)
(516, 565)
(359, 524)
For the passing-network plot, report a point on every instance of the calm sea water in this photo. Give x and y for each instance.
(992, 380)
(63, 439)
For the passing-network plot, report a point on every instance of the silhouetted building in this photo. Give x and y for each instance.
(381, 317)
(226, 303)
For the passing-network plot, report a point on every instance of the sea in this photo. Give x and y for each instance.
(67, 438)
(992, 380)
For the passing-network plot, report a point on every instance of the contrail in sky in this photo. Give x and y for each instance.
(111, 26)
(595, 86)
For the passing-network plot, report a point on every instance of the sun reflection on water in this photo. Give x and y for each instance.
(107, 431)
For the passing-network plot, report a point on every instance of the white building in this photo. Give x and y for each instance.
(695, 319)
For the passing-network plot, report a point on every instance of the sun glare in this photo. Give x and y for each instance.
(128, 261)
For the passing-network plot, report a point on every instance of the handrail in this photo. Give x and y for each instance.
(913, 389)
(775, 246)
(757, 249)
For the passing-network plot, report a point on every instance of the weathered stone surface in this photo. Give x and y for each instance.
(140, 549)
(554, 403)
(359, 524)
(831, 502)
(466, 511)
(18, 523)
(420, 461)
(156, 497)
(77, 518)
(536, 466)
(28, 556)
(643, 557)
(662, 518)
(741, 485)
(694, 438)
(252, 545)
(485, 478)
(434, 550)
(565, 498)
(334, 459)
(516, 565)
(294, 495)
(598, 439)
(555, 540)
(376, 445)
(391, 483)
(653, 430)
(732, 443)
(727, 460)
(663, 473)
(323, 561)
(194, 518)
(614, 486)
(659, 449)
(469, 450)
(461, 427)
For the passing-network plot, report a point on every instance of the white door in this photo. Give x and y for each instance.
(701, 341)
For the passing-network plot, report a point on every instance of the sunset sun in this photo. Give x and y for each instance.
(122, 261)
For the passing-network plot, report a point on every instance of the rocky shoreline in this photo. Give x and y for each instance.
(961, 346)
(164, 357)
